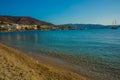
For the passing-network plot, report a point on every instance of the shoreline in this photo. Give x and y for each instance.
(37, 68)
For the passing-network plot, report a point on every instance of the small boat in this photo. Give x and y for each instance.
(114, 26)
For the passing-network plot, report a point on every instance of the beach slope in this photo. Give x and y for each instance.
(14, 65)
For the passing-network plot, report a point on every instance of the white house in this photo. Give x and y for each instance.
(16, 27)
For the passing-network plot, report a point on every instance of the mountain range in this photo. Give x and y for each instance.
(89, 26)
(25, 20)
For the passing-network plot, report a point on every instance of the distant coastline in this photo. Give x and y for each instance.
(17, 23)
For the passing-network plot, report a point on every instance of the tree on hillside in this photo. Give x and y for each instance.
(0, 28)
(2, 22)
(38, 27)
(26, 28)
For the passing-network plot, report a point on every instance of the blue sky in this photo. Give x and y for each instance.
(65, 11)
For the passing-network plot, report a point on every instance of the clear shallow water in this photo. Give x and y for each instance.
(96, 52)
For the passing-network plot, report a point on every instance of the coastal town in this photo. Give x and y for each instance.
(5, 26)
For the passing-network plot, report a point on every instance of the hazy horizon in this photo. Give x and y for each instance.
(64, 12)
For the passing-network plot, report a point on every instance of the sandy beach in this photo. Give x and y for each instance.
(16, 65)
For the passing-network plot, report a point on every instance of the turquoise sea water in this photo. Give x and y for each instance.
(96, 52)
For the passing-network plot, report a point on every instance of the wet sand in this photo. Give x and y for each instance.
(16, 65)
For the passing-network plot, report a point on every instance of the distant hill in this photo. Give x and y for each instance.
(23, 20)
(89, 26)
